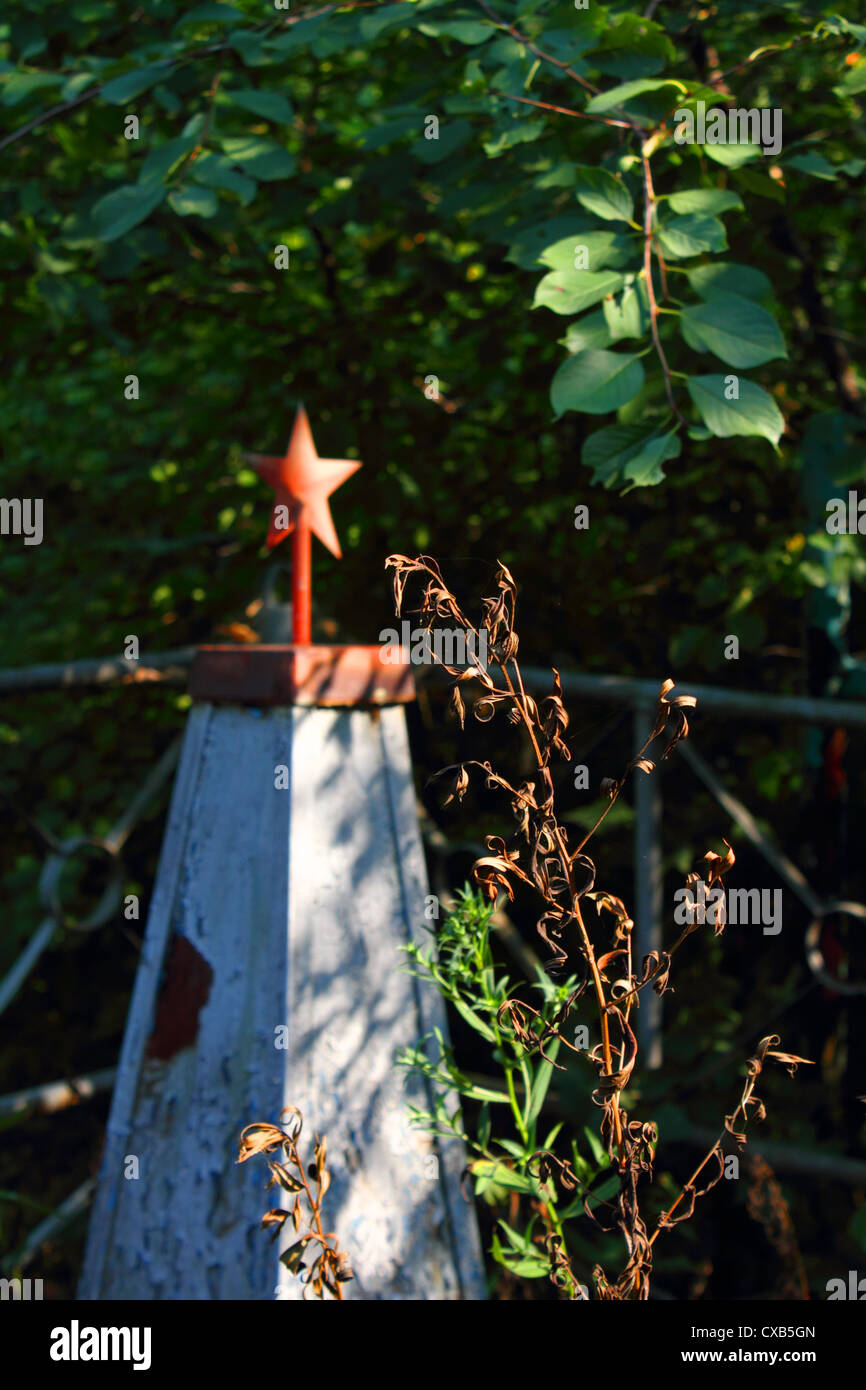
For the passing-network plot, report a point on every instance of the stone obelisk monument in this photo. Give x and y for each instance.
(291, 872)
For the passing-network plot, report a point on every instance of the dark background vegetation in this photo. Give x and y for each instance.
(404, 265)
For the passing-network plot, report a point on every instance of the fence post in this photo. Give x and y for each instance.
(648, 888)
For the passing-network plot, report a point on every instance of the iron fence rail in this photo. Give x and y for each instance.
(170, 667)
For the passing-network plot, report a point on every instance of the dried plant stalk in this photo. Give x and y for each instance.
(331, 1267)
(563, 876)
(766, 1204)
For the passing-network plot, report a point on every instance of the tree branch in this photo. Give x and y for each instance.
(649, 211)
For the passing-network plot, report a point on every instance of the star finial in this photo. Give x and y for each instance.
(302, 483)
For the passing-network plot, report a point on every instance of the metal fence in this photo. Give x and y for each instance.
(641, 696)
(171, 667)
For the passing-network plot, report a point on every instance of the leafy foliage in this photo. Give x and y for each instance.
(213, 109)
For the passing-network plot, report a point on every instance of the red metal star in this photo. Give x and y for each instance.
(302, 483)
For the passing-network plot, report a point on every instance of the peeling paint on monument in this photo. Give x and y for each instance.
(276, 907)
(184, 994)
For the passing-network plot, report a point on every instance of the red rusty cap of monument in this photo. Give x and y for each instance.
(308, 675)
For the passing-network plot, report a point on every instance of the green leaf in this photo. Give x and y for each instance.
(559, 176)
(735, 329)
(644, 470)
(210, 14)
(589, 332)
(163, 157)
(342, 31)
(120, 89)
(468, 31)
(397, 129)
(216, 171)
(193, 202)
(384, 17)
(691, 234)
(520, 1244)
(53, 265)
(838, 25)
(603, 249)
(603, 1191)
(261, 159)
(452, 135)
(474, 1092)
(270, 105)
(596, 1147)
(473, 1020)
(550, 1138)
(27, 39)
(853, 82)
(632, 46)
(620, 453)
(78, 231)
(755, 413)
(526, 1264)
(621, 95)
(569, 291)
(117, 212)
(526, 243)
(18, 86)
(59, 295)
(77, 84)
(249, 46)
(194, 127)
(492, 1172)
(732, 156)
(603, 194)
(519, 131)
(483, 1126)
(167, 100)
(707, 201)
(628, 316)
(814, 164)
(596, 382)
(540, 1083)
(568, 44)
(754, 181)
(300, 35)
(728, 277)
